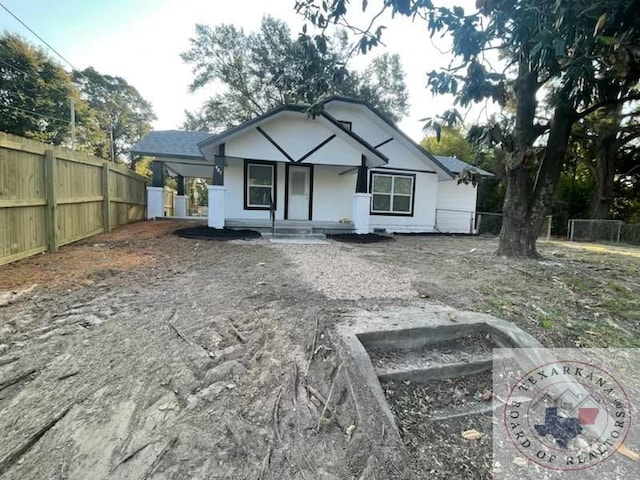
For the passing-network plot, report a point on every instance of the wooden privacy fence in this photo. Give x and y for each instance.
(52, 196)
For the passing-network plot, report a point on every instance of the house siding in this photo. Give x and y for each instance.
(402, 157)
(456, 207)
(332, 194)
(297, 135)
(423, 218)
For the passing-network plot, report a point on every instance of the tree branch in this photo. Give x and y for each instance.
(628, 138)
(604, 103)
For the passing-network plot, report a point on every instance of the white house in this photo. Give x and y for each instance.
(345, 168)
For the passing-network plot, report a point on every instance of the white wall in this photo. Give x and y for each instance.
(234, 181)
(296, 134)
(423, 219)
(399, 153)
(332, 193)
(456, 207)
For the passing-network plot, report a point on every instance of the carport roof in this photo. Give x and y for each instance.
(170, 144)
(455, 165)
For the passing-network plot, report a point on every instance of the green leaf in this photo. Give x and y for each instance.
(604, 40)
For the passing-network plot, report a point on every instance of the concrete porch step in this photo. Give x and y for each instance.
(293, 230)
(292, 235)
(421, 371)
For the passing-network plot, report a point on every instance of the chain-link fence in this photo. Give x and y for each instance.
(607, 231)
(491, 223)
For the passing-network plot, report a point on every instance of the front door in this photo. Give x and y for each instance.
(299, 193)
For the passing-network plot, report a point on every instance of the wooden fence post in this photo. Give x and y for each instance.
(51, 172)
(106, 200)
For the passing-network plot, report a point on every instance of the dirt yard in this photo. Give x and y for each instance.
(143, 355)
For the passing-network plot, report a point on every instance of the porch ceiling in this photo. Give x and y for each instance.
(193, 168)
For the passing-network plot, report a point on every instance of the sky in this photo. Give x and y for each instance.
(141, 40)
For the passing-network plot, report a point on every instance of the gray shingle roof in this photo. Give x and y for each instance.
(455, 165)
(170, 143)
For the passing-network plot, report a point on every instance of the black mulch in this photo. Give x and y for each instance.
(208, 233)
(358, 238)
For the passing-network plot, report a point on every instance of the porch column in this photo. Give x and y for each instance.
(217, 191)
(361, 200)
(182, 200)
(155, 193)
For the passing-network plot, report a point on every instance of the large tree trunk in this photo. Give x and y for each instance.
(606, 155)
(517, 237)
(527, 203)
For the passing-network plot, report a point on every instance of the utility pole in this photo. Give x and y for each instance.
(73, 125)
(113, 151)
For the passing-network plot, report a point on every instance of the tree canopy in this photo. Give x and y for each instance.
(452, 143)
(566, 52)
(120, 111)
(36, 94)
(264, 69)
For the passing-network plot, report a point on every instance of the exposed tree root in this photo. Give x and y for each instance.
(18, 378)
(14, 455)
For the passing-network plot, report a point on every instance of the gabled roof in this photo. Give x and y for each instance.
(430, 156)
(291, 108)
(455, 165)
(170, 144)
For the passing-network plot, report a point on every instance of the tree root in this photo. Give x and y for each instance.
(14, 455)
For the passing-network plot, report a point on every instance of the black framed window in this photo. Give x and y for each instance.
(260, 185)
(392, 194)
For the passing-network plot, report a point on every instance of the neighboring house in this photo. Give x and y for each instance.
(347, 168)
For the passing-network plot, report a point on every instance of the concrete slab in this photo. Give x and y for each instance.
(299, 241)
(413, 327)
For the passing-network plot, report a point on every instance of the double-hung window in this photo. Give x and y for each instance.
(259, 185)
(392, 194)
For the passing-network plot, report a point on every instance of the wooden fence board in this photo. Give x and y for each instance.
(50, 196)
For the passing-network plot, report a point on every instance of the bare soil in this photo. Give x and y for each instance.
(143, 355)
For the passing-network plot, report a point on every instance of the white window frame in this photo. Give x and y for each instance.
(392, 194)
(249, 185)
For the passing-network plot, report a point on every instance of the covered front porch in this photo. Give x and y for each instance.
(266, 195)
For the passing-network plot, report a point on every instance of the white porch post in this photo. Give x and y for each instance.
(217, 195)
(155, 202)
(217, 191)
(181, 205)
(361, 202)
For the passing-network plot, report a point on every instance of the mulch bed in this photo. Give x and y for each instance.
(359, 237)
(208, 233)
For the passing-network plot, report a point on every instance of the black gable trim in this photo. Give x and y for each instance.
(253, 121)
(424, 152)
(356, 137)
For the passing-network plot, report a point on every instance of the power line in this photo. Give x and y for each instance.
(73, 67)
(66, 61)
(42, 40)
(32, 75)
(35, 114)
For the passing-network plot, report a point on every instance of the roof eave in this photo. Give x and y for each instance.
(165, 155)
(364, 103)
